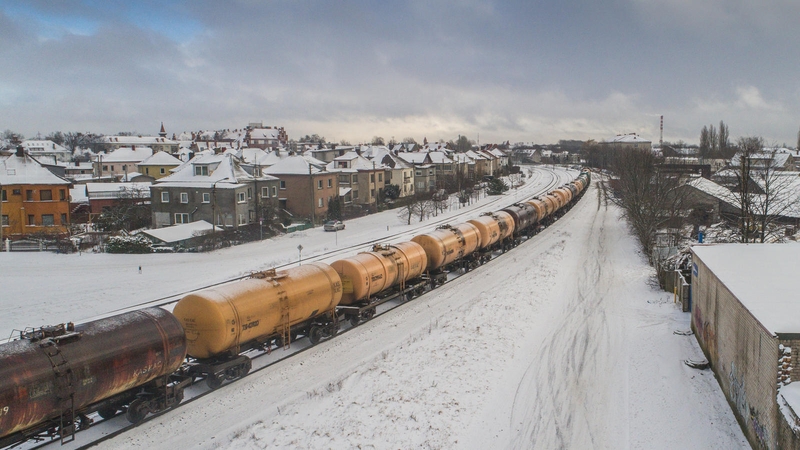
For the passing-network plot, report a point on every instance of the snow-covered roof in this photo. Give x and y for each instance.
(292, 165)
(264, 133)
(160, 159)
(415, 157)
(181, 232)
(43, 146)
(770, 158)
(116, 190)
(438, 157)
(713, 189)
(352, 162)
(137, 140)
(127, 154)
(26, 170)
(627, 139)
(762, 276)
(222, 171)
(78, 194)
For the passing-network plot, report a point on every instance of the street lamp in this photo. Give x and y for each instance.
(300, 253)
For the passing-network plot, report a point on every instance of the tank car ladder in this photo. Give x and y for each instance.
(286, 331)
(64, 390)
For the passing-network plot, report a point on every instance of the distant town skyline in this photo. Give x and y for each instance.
(511, 70)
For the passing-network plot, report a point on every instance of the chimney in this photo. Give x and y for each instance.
(20, 151)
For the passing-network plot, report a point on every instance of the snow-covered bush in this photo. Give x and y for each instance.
(128, 244)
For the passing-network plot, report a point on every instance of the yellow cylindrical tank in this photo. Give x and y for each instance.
(410, 258)
(540, 206)
(488, 228)
(365, 274)
(448, 243)
(551, 203)
(506, 222)
(561, 196)
(219, 320)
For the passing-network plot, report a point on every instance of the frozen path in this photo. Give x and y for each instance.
(559, 344)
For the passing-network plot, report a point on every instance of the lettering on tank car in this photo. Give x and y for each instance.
(188, 319)
(249, 325)
(449, 252)
(4, 410)
(337, 286)
(40, 390)
(377, 277)
(148, 369)
(88, 381)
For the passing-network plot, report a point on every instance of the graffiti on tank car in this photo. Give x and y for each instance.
(40, 390)
(249, 325)
(148, 369)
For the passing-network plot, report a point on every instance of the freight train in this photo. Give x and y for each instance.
(53, 378)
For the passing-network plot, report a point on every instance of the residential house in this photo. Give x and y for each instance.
(103, 196)
(46, 150)
(397, 172)
(155, 143)
(32, 199)
(424, 170)
(211, 187)
(158, 165)
(306, 188)
(363, 178)
(120, 161)
(258, 135)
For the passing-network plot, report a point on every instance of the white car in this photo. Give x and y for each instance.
(334, 225)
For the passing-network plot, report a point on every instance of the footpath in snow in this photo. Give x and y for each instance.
(561, 343)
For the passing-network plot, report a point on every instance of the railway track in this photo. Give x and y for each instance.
(264, 360)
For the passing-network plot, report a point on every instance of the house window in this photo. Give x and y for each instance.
(372, 178)
(355, 195)
(181, 218)
(319, 203)
(165, 197)
(31, 220)
(419, 173)
(242, 220)
(147, 171)
(249, 193)
(283, 184)
(62, 194)
(5, 220)
(48, 220)
(105, 168)
(344, 179)
(330, 182)
(355, 178)
(163, 171)
(112, 168)
(274, 191)
(201, 170)
(420, 185)
(206, 197)
(63, 219)
(241, 197)
(373, 192)
(380, 177)
(29, 195)
(4, 196)
(264, 192)
(319, 184)
(16, 192)
(184, 197)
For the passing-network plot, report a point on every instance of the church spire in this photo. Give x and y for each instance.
(163, 132)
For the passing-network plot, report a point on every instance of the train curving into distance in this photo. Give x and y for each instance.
(140, 362)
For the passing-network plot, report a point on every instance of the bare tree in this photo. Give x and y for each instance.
(649, 197)
(419, 206)
(722, 138)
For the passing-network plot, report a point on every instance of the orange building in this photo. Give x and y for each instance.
(34, 200)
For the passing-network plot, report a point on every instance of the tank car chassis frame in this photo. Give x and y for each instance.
(365, 310)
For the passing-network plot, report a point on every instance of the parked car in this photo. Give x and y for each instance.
(334, 225)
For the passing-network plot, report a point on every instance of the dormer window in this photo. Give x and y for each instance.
(201, 170)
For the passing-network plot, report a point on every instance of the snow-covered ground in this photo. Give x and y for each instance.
(561, 343)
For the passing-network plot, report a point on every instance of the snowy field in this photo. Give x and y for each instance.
(561, 343)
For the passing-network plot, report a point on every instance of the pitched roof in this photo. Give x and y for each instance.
(627, 138)
(26, 170)
(161, 159)
(292, 165)
(223, 172)
(128, 154)
(180, 232)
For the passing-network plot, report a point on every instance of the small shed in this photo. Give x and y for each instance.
(182, 235)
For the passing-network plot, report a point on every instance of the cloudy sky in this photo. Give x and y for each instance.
(528, 70)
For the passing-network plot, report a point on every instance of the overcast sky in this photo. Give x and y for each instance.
(529, 70)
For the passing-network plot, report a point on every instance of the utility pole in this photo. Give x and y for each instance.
(313, 197)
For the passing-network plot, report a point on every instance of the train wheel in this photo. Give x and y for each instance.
(137, 410)
(369, 314)
(354, 320)
(213, 381)
(315, 335)
(107, 413)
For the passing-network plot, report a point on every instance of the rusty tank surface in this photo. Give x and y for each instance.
(370, 273)
(552, 204)
(64, 370)
(524, 216)
(493, 227)
(448, 243)
(220, 320)
(564, 195)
